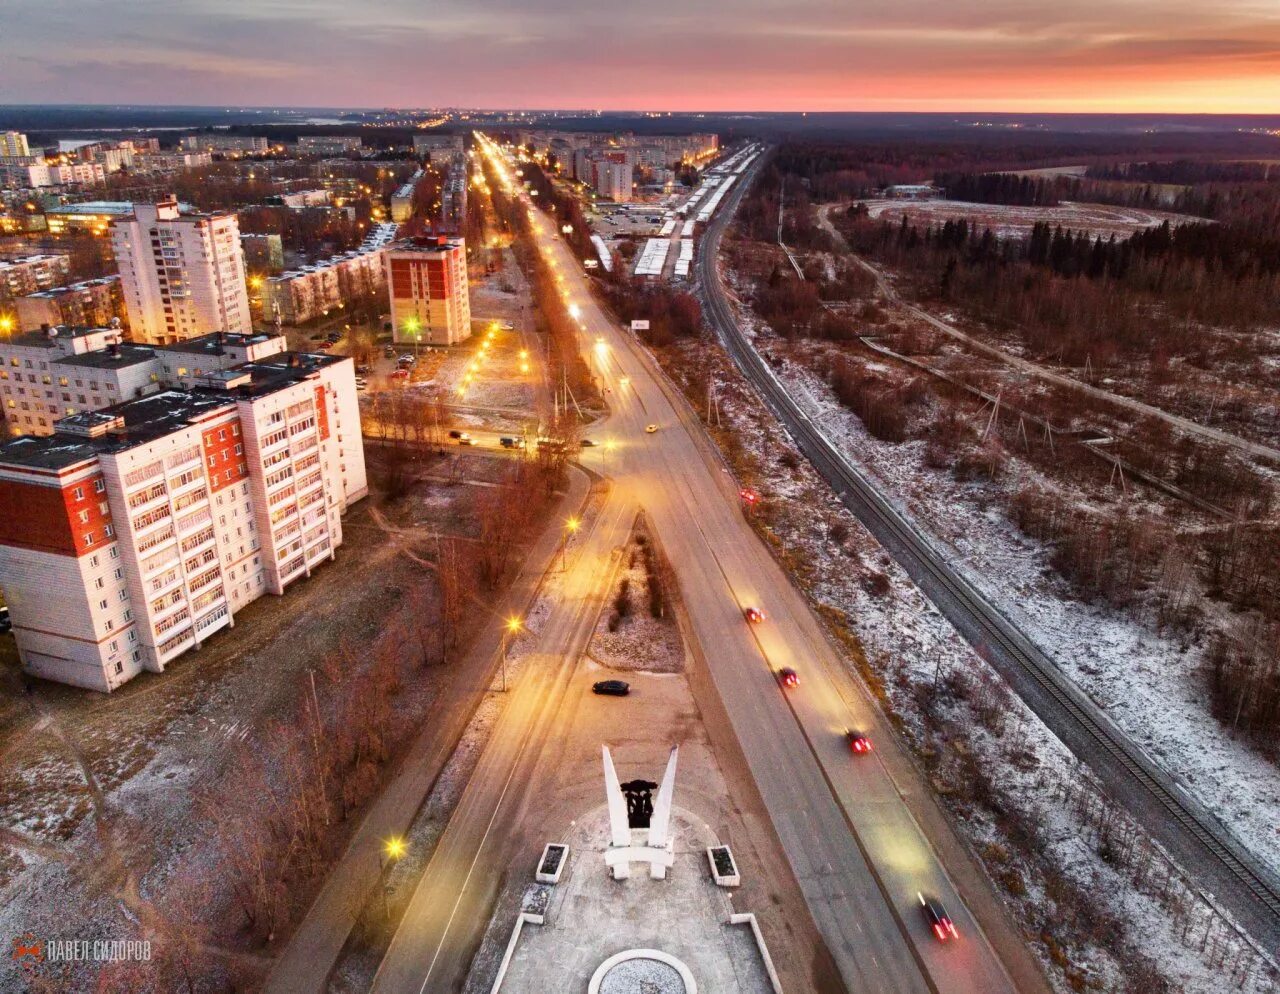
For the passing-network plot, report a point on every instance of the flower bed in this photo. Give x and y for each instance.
(724, 868)
(554, 857)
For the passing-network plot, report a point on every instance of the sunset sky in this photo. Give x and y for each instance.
(1016, 55)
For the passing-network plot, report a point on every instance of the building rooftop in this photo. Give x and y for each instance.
(71, 287)
(45, 339)
(112, 357)
(426, 243)
(216, 342)
(285, 369)
(94, 207)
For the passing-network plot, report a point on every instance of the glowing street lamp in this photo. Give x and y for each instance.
(570, 526)
(392, 849)
(575, 311)
(510, 630)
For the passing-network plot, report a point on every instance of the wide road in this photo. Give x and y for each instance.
(859, 857)
(1203, 845)
(449, 910)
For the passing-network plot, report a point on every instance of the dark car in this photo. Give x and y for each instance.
(586, 443)
(6, 623)
(936, 915)
(508, 442)
(611, 688)
(455, 433)
(362, 371)
(788, 677)
(857, 741)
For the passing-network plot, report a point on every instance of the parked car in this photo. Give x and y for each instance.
(857, 741)
(586, 443)
(511, 443)
(466, 440)
(324, 346)
(318, 337)
(936, 915)
(400, 374)
(363, 370)
(6, 623)
(611, 688)
(788, 677)
(650, 429)
(389, 352)
(409, 358)
(753, 615)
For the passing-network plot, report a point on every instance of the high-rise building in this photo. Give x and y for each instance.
(182, 273)
(614, 180)
(135, 533)
(443, 149)
(430, 297)
(14, 143)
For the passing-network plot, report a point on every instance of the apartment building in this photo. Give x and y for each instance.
(39, 175)
(443, 149)
(182, 273)
(31, 273)
(14, 143)
(86, 304)
(90, 215)
(225, 143)
(312, 291)
(430, 295)
(60, 372)
(135, 533)
(328, 144)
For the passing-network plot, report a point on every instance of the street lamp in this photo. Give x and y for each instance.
(511, 628)
(392, 849)
(570, 526)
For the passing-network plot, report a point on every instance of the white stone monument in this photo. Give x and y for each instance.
(629, 845)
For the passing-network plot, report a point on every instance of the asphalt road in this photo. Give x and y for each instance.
(1203, 845)
(859, 857)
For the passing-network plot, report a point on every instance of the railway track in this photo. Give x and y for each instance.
(1204, 846)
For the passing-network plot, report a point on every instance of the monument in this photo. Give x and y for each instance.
(639, 825)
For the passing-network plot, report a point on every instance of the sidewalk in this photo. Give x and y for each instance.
(304, 965)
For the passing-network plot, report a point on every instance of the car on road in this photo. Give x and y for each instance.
(753, 615)
(324, 346)
(400, 374)
(788, 677)
(587, 443)
(507, 442)
(408, 359)
(611, 688)
(936, 915)
(389, 352)
(466, 440)
(650, 429)
(857, 741)
(363, 370)
(6, 622)
(508, 326)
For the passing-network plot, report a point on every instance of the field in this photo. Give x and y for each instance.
(1007, 221)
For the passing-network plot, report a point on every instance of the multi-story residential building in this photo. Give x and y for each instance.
(443, 149)
(263, 253)
(40, 175)
(613, 180)
(430, 297)
(135, 533)
(182, 273)
(225, 143)
(59, 372)
(402, 199)
(328, 144)
(453, 200)
(31, 273)
(301, 198)
(312, 291)
(171, 162)
(86, 304)
(14, 143)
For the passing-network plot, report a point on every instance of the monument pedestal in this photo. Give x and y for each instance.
(650, 840)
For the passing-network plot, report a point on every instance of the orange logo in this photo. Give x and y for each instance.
(28, 947)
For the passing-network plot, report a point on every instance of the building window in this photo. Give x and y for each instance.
(99, 485)
(120, 666)
(78, 493)
(109, 531)
(102, 605)
(88, 540)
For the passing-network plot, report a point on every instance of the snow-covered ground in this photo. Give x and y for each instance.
(909, 646)
(1150, 684)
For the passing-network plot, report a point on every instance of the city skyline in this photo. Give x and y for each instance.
(1135, 56)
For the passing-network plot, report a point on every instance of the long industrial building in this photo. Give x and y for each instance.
(135, 533)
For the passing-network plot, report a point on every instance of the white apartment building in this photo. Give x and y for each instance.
(429, 291)
(182, 273)
(443, 149)
(49, 375)
(14, 143)
(39, 175)
(225, 143)
(135, 533)
(32, 273)
(312, 291)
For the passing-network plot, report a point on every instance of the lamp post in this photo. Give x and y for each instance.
(570, 527)
(392, 850)
(511, 628)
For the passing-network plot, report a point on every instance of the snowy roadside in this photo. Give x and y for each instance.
(1094, 920)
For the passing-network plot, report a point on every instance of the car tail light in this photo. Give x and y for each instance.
(951, 927)
(940, 931)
